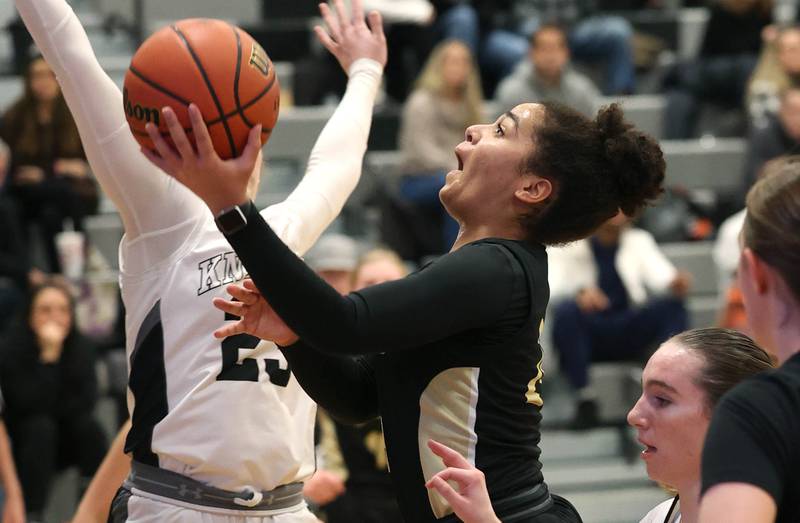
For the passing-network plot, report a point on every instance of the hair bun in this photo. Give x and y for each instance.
(635, 159)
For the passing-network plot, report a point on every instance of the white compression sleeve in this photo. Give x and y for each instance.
(148, 200)
(334, 166)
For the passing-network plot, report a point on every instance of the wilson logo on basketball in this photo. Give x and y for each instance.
(143, 114)
(259, 60)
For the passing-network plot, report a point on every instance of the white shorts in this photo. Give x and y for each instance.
(142, 509)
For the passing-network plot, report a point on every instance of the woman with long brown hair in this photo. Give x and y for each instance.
(47, 373)
(48, 175)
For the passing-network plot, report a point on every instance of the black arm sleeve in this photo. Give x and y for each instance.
(747, 440)
(345, 386)
(467, 289)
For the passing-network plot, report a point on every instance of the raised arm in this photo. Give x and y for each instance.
(96, 502)
(334, 165)
(146, 198)
(467, 289)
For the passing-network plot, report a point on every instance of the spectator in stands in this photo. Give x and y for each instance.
(370, 495)
(446, 98)
(719, 75)
(594, 38)
(614, 297)
(412, 29)
(726, 256)
(750, 454)
(780, 135)
(547, 76)
(47, 374)
(378, 266)
(355, 454)
(334, 258)
(778, 69)
(49, 176)
(11, 492)
(15, 270)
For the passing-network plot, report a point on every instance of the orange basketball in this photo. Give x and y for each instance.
(213, 64)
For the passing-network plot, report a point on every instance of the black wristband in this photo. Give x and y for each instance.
(233, 219)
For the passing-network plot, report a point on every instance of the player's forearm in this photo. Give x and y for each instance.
(8, 472)
(343, 386)
(309, 306)
(95, 504)
(404, 11)
(334, 165)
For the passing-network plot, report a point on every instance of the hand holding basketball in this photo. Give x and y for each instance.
(209, 63)
(220, 183)
(350, 38)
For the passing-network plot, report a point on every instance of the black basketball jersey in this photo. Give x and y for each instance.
(476, 392)
(449, 353)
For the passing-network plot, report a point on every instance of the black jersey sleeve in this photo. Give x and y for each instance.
(345, 386)
(467, 289)
(746, 441)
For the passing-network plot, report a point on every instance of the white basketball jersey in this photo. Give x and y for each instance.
(228, 413)
(225, 412)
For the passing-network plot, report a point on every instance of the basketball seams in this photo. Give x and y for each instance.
(209, 86)
(236, 100)
(156, 86)
(249, 104)
(152, 82)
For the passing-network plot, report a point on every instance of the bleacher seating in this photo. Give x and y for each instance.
(695, 257)
(105, 231)
(645, 111)
(156, 13)
(10, 90)
(707, 163)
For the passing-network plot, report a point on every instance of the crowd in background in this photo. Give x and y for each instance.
(615, 296)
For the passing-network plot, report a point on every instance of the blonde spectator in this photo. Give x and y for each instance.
(778, 69)
(378, 266)
(446, 99)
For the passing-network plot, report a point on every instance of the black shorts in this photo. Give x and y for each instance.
(561, 511)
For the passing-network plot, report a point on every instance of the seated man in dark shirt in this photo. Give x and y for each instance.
(615, 297)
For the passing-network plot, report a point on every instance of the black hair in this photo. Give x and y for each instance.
(597, 168)
(551, 26)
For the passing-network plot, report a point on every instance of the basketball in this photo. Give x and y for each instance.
(212, 64)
